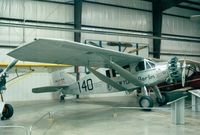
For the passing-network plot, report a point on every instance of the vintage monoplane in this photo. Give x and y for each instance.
(124, 72)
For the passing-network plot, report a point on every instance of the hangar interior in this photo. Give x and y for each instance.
(96, 22)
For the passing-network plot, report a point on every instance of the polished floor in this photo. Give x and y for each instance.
(96, 116)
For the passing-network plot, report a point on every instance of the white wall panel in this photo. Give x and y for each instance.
(11, 35)
(48, 11)
(36, 10)
(44, 33)
(15, 36)
(3, 56)
(181, 26)
(128, 3)
(21, 88)
(180, 11)
(106, 16)
(11, 8)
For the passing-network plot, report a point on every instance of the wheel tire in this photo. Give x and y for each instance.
(7, 112)
(164, 100)
(146, 102)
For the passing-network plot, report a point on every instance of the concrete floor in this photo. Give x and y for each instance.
(97, 116)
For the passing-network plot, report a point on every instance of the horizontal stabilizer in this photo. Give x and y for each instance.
(48, 89)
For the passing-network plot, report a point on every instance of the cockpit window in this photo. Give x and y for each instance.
(140, 66)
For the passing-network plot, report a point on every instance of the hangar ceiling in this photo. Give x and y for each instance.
(173, 7)
(177, 8)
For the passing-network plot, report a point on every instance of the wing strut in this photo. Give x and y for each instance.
(125, 74)
(107, 80)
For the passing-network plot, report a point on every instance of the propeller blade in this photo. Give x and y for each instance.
(123, 44)
(183, 73)
(11, 65)
(135, 50)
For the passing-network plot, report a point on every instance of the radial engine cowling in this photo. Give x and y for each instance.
(173, 70)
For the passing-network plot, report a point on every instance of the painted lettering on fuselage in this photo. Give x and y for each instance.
(146, 78)
(122, 82)
(85, 85)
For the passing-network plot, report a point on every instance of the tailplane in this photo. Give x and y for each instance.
(49, 89)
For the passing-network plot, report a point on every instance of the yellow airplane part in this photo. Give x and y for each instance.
(18, 78)
(35, 65)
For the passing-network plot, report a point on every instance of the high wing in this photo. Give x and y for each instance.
(69, 52)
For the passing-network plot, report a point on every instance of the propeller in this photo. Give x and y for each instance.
(135, 50)
(3, 74)
(11, 65)
(183, 73)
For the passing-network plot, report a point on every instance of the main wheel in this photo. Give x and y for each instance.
(146, 102)
(164, 99)
(7, 112)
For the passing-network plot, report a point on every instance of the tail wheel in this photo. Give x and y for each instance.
(62, 98)
(7, 112)
(146, 102)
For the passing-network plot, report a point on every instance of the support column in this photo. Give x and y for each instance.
(77, 25)
(157, 26)
(158, 6)
(178, 111)
(195, 103)
(195, 100)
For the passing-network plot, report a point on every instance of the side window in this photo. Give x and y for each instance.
(149, 65)
(140, 66)
(109, 75)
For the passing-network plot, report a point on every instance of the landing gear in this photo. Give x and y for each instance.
(162, 101)
(7, 112)
(62, 98)
(146, 102)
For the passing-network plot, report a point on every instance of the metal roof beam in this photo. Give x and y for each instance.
(166, 4)
(188, 7)
(193, 2)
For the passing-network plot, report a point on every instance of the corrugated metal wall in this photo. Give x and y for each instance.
(93, 14)
(180, 26)
(33, 10)
(114, 17)
(20, 89)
